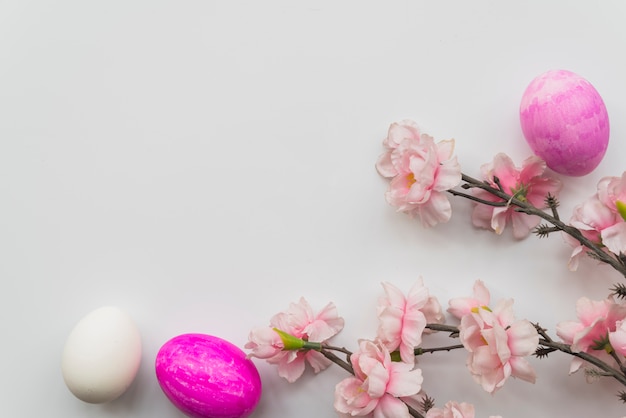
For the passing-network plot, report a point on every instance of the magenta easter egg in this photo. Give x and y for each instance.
(208, 377)
(565, 122)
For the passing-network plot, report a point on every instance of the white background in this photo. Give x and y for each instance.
(202, 164)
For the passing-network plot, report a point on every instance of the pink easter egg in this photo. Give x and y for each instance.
(565, 122)
(208, 377)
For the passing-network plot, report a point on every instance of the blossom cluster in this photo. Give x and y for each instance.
(385, 377)
(422, 172)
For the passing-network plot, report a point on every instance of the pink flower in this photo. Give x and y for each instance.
(612, 193)
(403, 318)
(377, 384)
(597, 319)
(459, 307)
(453, 410)
(595, 221)
(422, 172)
(496, 342)
(525, 184)
(300, 322)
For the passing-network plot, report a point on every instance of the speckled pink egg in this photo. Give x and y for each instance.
(565, 122)
(208, 377)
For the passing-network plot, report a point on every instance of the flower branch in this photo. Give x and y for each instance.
(529, 209)
(605, 367)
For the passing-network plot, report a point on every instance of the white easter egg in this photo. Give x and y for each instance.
(101, 355)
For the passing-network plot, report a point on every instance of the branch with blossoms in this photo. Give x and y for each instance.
(385, 380)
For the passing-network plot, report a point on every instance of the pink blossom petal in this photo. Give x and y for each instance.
(541, 188)
(575, 365)
(350, 397)
(264, 342)
(394, 296)
(482, 214)
(523, 224)
(399, 131)
(432, 312)
(413, 327)
(327, 324)
(385, 167)
(317, 361)
(498, 219)
(404, 382)
(291, 370)
(523, 338)
(377, 380)
(481, 293)
(567, 330)
(460, 307)
(532, 166)
(503, 312)
(436, 210)
(503, 168)
(522, 369)
(448, 176)
(614, 237)
(445, 149)
(574, 259)
(390, 407)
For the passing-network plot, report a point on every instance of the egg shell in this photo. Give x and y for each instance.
(565, 122)
(101, 355)
(208, 377)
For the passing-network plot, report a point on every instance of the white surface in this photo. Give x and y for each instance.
(202, 164)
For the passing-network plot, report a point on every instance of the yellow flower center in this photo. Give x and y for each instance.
(410, 179)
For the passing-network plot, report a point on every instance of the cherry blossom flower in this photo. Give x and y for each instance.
(525, 184)
(421, 172)
(377, 384)
(453, 410)
(497, 343)
(594, 220)
(403, 318)
(298, 323)
(591, 334)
